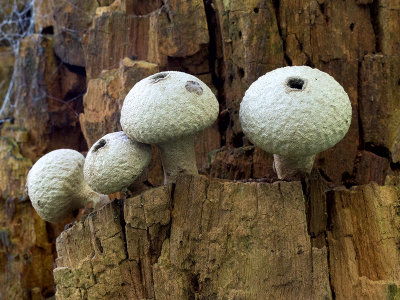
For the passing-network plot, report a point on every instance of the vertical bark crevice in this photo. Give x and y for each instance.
(330, 199)
(328, 257)
(306, 194)
(276, 5)
(374, 15)
(317, 215)
(359, 106)
(216, 61)
(349, 179)
(119, 205)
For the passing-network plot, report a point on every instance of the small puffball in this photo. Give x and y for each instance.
(56, 186)
(114, 162)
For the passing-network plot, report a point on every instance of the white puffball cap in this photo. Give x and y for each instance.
(55, 184)
(295, 111)
(114, 162)
(166, 106)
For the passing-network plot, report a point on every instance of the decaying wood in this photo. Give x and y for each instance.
(363, 239)
(71, 77)
(212, 239)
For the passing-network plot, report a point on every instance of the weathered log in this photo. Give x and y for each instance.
(211, 239)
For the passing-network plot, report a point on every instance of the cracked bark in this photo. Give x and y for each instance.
(227, 44)
(213, 239)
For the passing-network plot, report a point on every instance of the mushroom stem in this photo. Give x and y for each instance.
(88, 195)
(286, 166)
(178, 157)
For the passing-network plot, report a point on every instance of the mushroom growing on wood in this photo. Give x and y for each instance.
(295, 113)
(114, 162)
(168, 109)
(56, 186)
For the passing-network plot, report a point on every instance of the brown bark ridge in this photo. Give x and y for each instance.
(211, 239)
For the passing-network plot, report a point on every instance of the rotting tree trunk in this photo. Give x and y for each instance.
(200, 239)
(70, 79)
(211, 239)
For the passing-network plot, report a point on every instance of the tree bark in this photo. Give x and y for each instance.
(210, 239)
(64, 84)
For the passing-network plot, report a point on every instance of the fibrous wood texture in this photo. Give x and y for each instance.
(199, 238)
(212, 239)
(63, 81)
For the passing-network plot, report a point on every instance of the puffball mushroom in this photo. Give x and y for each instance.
(56, 186)
(295, 113)
(167, 109)
(114, 162)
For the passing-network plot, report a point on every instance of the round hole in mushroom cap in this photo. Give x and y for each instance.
(155, 113)
(296, 83)
(289, 113)
(116, 165)
(100, 144)
(158, 77)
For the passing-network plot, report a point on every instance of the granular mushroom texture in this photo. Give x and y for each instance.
(168, 109)
(295, 113)
(56, 186)
(114, 162)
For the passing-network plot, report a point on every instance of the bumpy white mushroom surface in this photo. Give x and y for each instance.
(114, 162)
(167, 109)
(295, 113)
(56, 186)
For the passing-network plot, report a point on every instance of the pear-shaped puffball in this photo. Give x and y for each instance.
(114, 162)
(295, 113)
(56, 186)
(168, 109)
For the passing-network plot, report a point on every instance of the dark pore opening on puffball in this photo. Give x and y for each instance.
(295, 83)
(156, 78)
(99, 145)
(194, 87)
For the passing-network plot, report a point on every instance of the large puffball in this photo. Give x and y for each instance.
(166, 106)
(168, 109)
(295, 112)
(114, 162)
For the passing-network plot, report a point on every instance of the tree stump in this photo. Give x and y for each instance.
(211, 239)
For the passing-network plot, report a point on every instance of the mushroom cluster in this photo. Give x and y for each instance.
(166, 109)
(295, 113)
(292, 112)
